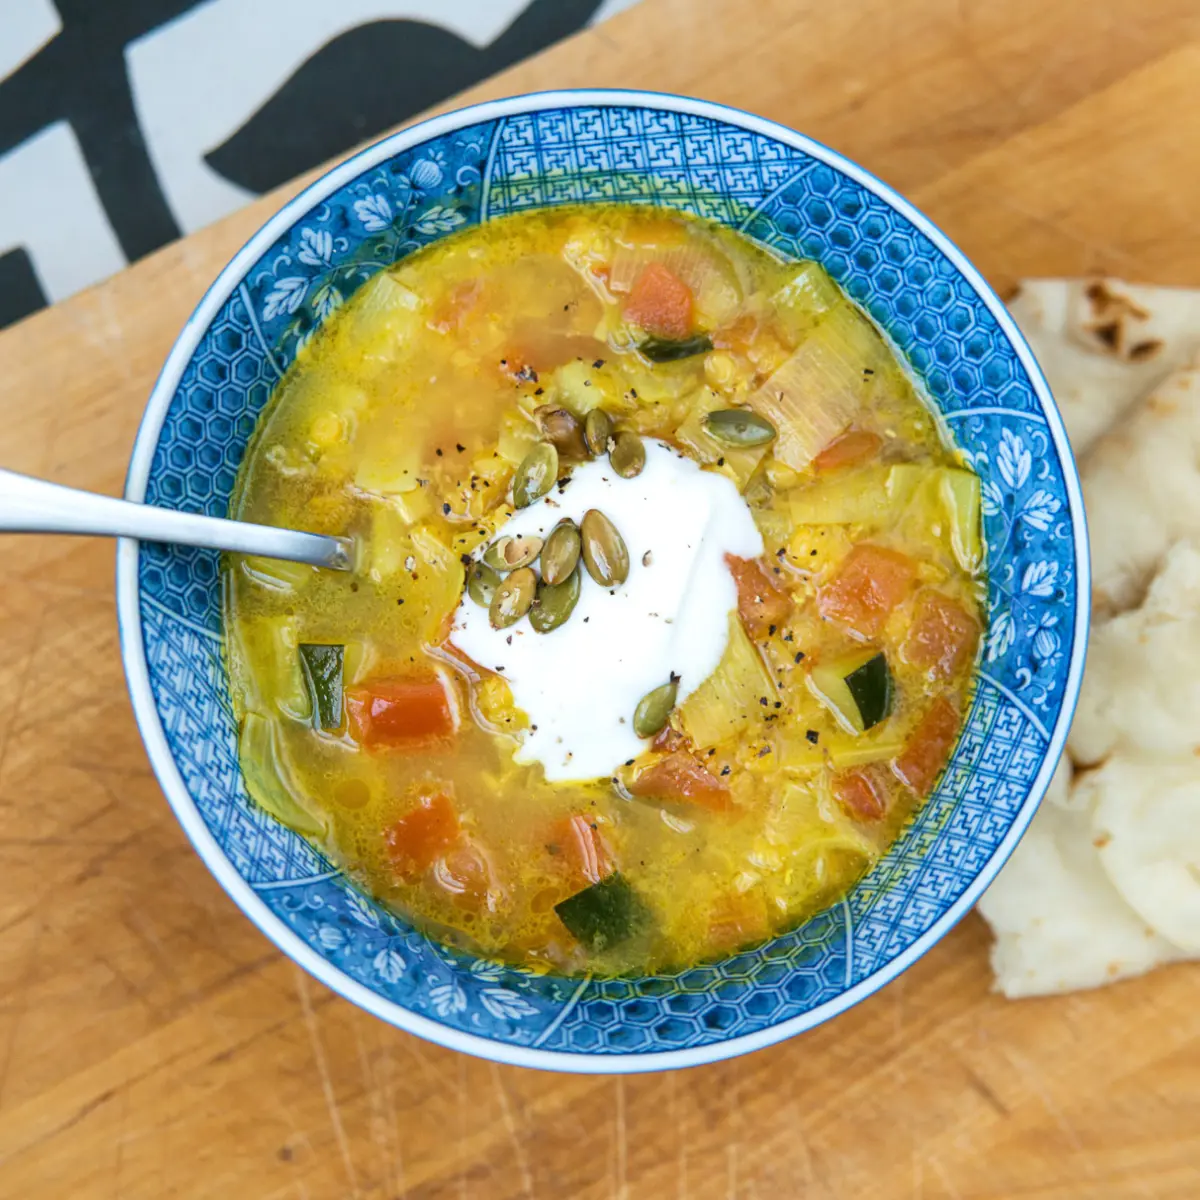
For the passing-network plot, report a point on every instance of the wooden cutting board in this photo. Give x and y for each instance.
(153, 1044)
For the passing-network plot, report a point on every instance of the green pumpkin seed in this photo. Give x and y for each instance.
(536, 474)
(555, 603)
(562, 429)
(654, 708)
(494, 554)
(628, 455)
(482, 583)
(513, 598)
(560, 554)
(597, 429)
(520, 551)
(603, 548)
(739, 427)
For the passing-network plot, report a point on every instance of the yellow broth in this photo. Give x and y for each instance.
(401, 424)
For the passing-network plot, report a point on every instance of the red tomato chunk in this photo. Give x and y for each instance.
(421, 837)
(867, 586)
(660, 303)
(853, 447)
(862, 794)
(943, 636)
(928, 747)
(760, 603)
(679, 776)
(581, 848)
(400, 711)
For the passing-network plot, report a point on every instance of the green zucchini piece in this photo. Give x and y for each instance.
(604, 914)
(661, 350)
(857, 689)
(323, 666)
(870, 687)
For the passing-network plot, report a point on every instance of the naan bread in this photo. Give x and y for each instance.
(1146, 828)
(1141, 689)
(1141, 489)
(1106, 882)
(1103, 344)
(1060, 924)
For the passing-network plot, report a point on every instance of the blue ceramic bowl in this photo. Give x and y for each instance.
(802, 201)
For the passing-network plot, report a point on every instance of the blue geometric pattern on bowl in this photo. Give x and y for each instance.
(802, 207)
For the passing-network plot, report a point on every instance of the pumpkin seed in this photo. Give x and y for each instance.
(494, 554)
(654, 708)
(560, 554)
(555, 603)
(520, 551)
(536, 474)
(597, 429)
(482, 583)
(739, 427)
(603, 548)
(562, 429)
(513, 598)
(628, 455)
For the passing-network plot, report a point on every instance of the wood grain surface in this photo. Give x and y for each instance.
(153, 1044)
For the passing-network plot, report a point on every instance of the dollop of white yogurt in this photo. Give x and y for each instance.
(580, 683)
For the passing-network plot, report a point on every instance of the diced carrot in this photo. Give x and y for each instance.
(416, 841)
(454, 307)
(943, 636)
(738, 335)
(399, 711)
(465, 871)
(761, 603)
(928, 747)
(738, 919)
(863, 793)
(852, 447)
(679, 776)
(867, 586)
(660, 303)
(602, 272)
(582, 850)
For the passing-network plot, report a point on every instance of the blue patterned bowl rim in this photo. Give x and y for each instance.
(134, 650)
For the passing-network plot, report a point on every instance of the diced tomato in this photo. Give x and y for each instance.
(660, 303)
(943, 636)
(737, 920)
(679, 776)
(417, 840)
(928, 747)
(761, 603)
(867, 586)
(398, 711)
(465, 871)
(582, 850)
(863, 793)
(854, 446)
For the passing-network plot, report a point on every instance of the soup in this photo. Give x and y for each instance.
(666, 603)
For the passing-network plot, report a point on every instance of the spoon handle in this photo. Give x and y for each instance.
(30, 505)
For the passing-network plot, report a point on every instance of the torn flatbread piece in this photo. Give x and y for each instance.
(1060, 923)
(1103, 344)
(1139, 695)
(1141, 489)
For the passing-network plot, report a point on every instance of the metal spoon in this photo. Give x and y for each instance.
(34, 506)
